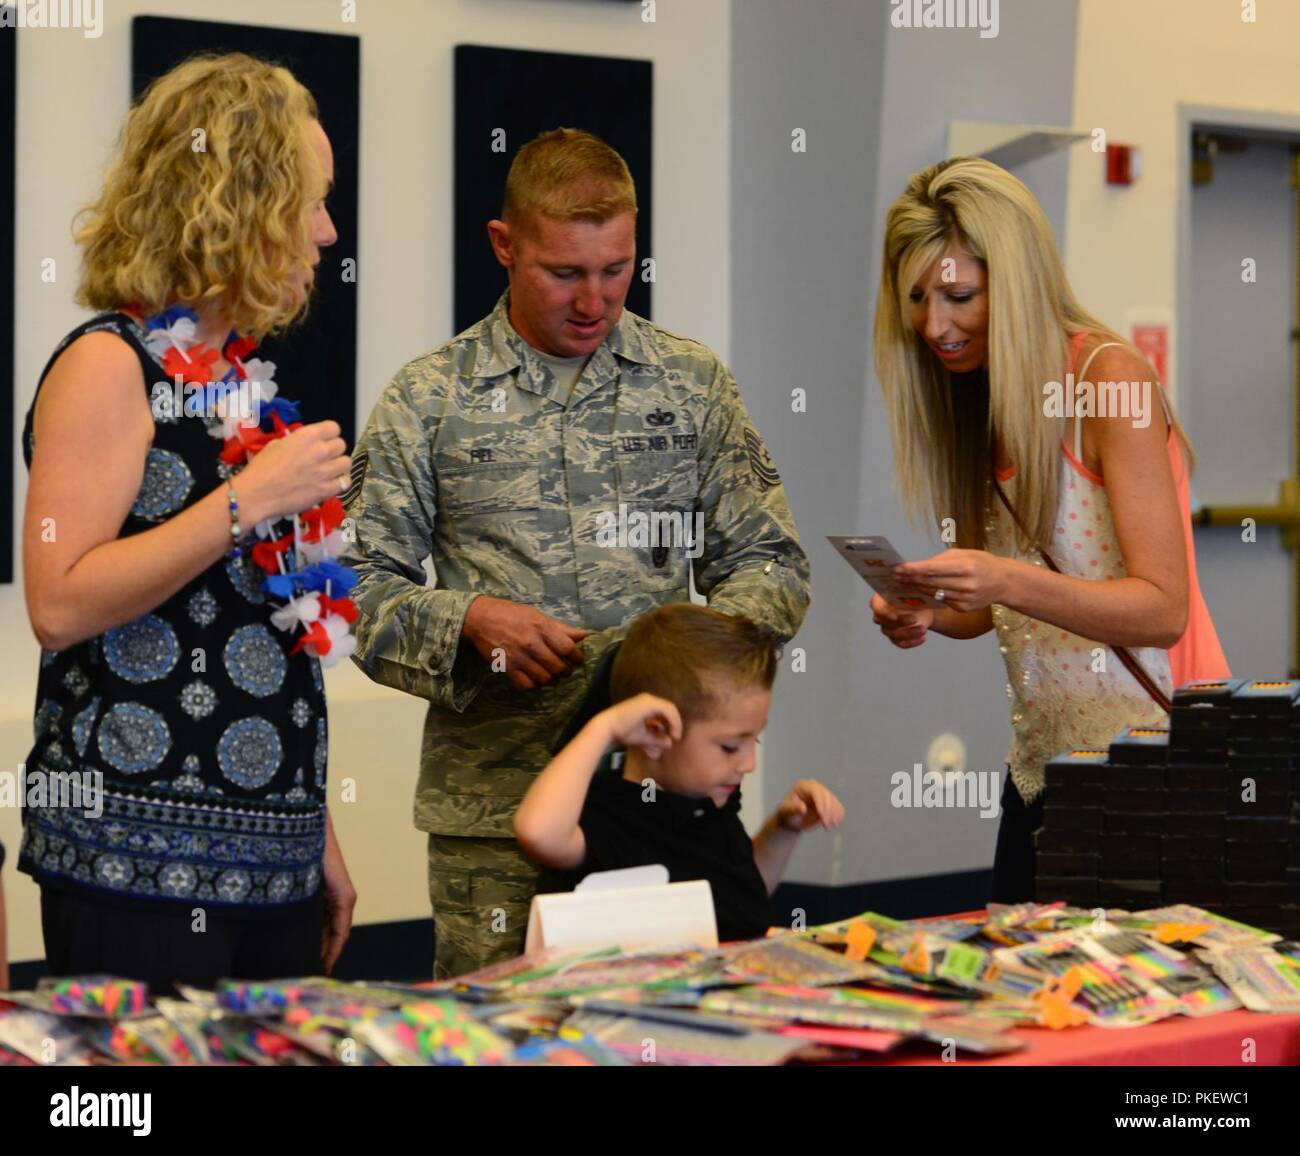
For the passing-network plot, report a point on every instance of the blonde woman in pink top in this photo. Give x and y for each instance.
(979, 342)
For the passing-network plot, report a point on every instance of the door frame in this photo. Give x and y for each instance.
(1279, 126)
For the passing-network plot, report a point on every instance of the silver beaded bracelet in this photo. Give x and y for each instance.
(236, 551)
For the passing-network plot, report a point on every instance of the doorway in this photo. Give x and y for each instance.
(1237, 381)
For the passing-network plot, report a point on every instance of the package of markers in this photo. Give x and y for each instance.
(438, 1031)
(1198, 990)
(958, 929)
(1263, 979)
(328, 1033)
(657, 970)
(1106, 989)
(100, 996)
(247, 1039)
(806, 1005)
(886, 942)
(1010, 924)
(275, 997)
(935, 956)
(791, 960)
(190, 1023)
(147, 1040)
(837, 934)
(964, 965)
(1200, 927)
(167, 1043)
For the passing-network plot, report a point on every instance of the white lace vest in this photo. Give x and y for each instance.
(1068, 692)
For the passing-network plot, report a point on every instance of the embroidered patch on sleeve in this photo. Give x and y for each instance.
(760, 461)
(360, 461)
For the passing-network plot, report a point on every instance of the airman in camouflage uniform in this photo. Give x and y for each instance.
(521, 489)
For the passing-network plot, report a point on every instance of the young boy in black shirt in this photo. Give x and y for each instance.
(691, 689)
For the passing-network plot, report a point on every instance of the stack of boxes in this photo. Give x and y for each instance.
(1068, 845)
(1262, 845)
(1205, 812)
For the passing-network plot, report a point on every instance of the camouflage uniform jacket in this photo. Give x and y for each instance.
(473, 458)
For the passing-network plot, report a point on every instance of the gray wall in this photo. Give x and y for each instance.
(801, 282)
(1246, 211)
(876, 102)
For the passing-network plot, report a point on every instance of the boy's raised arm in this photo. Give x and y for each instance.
(546, 823)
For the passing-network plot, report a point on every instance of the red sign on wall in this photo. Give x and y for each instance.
(1153, 342)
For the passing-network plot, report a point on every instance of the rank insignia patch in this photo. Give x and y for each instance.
(760, 461)
(360, 460)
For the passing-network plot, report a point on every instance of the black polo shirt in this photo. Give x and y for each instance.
(691, 837)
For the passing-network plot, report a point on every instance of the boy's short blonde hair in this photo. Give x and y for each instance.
(567, 175)
(692, 656)
(208, 199)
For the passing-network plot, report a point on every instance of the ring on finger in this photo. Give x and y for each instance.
(939, 595)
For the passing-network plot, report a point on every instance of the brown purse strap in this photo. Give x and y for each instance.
(1134, 667)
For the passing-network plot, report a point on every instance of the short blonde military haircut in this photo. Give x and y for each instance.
(217, 217)
(567, 175)
(693, 656)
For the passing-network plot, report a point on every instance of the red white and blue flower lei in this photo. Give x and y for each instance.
(244, 412)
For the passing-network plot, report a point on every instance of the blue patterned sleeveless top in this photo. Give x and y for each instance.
(210, 737)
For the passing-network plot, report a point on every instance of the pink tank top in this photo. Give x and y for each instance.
(1198, 653)
(1066, 691)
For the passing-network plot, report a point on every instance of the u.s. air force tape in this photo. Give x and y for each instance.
(760, 461)
(360, 460)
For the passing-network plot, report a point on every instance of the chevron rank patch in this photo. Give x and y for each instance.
(760, 461)
(360, 460)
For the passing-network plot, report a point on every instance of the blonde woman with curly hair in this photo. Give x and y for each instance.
(197, 730)
(1045, 442)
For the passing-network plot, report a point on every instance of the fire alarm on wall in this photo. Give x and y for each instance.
(1123, 164)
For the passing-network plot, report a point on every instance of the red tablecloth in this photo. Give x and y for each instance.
(1220, 1040)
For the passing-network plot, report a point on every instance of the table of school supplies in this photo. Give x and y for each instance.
(1033, 983)
(1225, 1039)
